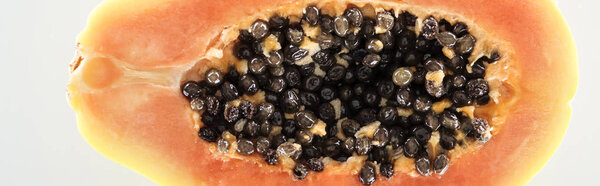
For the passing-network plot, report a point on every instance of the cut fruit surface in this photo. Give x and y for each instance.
(130, 87)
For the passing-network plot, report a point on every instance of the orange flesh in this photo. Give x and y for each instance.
(145, 123)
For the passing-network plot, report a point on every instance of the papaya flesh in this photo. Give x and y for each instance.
(134, 55)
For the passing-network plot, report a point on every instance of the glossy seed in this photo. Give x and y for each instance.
(259, 29)
(458, 81)
(191, 90)
(262, 145)
(311, 15)
(352, 41)
(480, 125)
(252, 128)
(300, 171)
(276, 84)
(326, 112)
(380, 137)
(327, 24)
(460, 29)
(324, 58)
(386, 169)
(465, 44)
(229, 91)
(341, 26)
(239, 126)
(248, 84)
(295, 54)
(315, 164)
(432, 121)
(309, 99)
(355, 16)
(411, 147)
(231, 113)
(404, 97)
(336, 73)
(447, 141)
(422, 104)
(366, 116)
(257, 66)
(245, 147)
(290, 150)
(277, 71)
(440, 164)
(374, 45)
(292, 76)
(460, 98)
(422, 134)
(295, 35)
(312, 83)
(430, 28)
(304, 137)
(307, 70)
(305, 119)
(385, 21)
(402, 76)
(290, 102)
(477, 87)
(208, 134)
(367, 174)
(197, 104)
(348, 145)
(449, 120)
(387, 115)
(223, 145)
(212, 105)
(271, 157)
(214, 77)
(278, 22)
(363, 146)
(275, 58)
(423, 166)
(265, 111)
(447, 39)
(350, 127)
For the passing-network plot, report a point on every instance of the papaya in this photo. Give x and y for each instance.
(281, 92)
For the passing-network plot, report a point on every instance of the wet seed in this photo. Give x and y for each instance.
(422, 104)
(411, 147)
(304, 137)
(239, 126)
(309, 99)
(223, 145)
(278, 22)
(312, 83)
(245, 147)
(460, 98)
(276, 84)
(231, 113)
(336, 72)
(387, 115)
(367, 174)
(257, 66)
(386, 169)
(311, 15)
(447, 39)
(305, 119)
(208, 134)
(191, 90)
(271, 157)
(380, 138)
(341, 26)
(197, 104)
(385, 21)
(277, 71)
(477, 87)
(348, 145)
(440, 164)
(300, 171)
(423, 166)
(265, 111)
(465, 44)
(289, 149)
(294, 54)
(374, 45)
(402, 76)
(430, 28)
(262, 145)
(432, 121)
(212, 105)
(327, 24)
(460, 29)
(315, 164)
(371, 60)
(350, 127)
(214, 77)
(355, 16)
(450, 120)
(252, 128)
(295, 35)
(447, 141)
(363, 146)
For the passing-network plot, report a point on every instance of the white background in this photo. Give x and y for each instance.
(40, 144)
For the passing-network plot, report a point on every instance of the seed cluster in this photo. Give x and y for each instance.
(370, 75)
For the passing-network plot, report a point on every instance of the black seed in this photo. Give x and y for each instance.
(309, 99)
(374, 45)
(197, 104)
(422, 104)
(385, 20)
(387, 115)
(345, 93)
(371, 60)
(423, 44)
(239, 126)
(307, 70)
(464, 44)
(305, 119)
(327, 41)
(229, 91)
(295, 54)
(263, 79)
(385, 88)
(447, 39)
(214, 77)
(365, 74)
(419, 76)
(440, 164)
(406, 40)
(404, 97)
(460, 29)
(277, 118)
(386, 169)
(485, 99)
(290, 102)
(349, 127)
(423, 166)
(366, 116)
(336, 73)
(430, 28)
(327, 24)
(354, 16)
(378, 155)
(288, 127)
(432, 121)
(412, 58)
(367, 174)
(363, 146)
(352, 41)
(276, 84)
(257, 47)
(243, 51)
(480, 126)
(411, 147)
(278, 22)
(359, 89)
(213, 105)
(278, 140)
(355, 104)
(265, 111)
(262, 144)
(310, 151)
(259, 29)
(409, 19)
(416, 119)
(265, 128)
(271, 157)
(421, 134)
(295, 35)
(444, 25)
(289, 149)
(209, 134)
(300, 171)
(367, 29)
(191, 90)
(447, 141)
(327, 93)
(460, 98)
(324, 58)
(275, 59)
(311, 15)
(304, 137)
(477, 88)
(397, 137)
(231, 113)
(272, 97)
(332, 147)
(348, 145)
(277, 71)
(315, 164)
(252, 128)
(245, 36)
(478, 69)
(458, 81)
(341, 26)
(433, 90)
(380, 137)
(257, 66)
(312, 83)
(327, 112)
(432, 64)
(292, 76)
(449, 120)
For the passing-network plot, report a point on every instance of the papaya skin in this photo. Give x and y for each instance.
(145, 124)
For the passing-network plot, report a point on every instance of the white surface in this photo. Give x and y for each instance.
(40, 144)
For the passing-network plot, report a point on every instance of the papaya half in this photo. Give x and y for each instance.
(452, 92)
